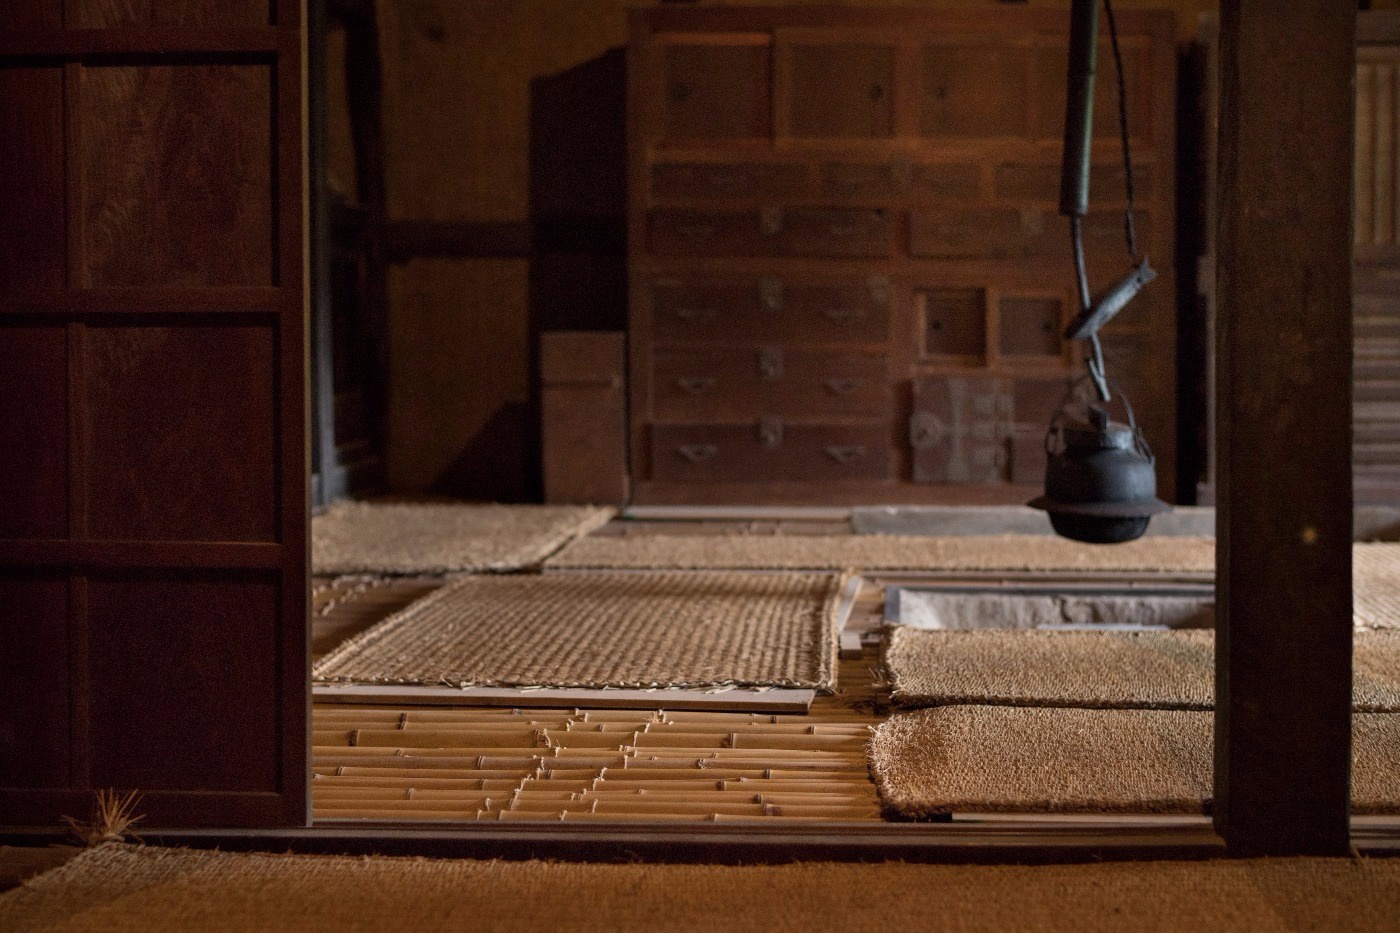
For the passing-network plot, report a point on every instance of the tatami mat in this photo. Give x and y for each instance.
(605, 630)
(1376, 585)
(1017, 759)
(427, 538)
(885, 552)
(120, 887)
(1111, 669)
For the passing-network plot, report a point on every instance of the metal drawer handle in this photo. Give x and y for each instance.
(842, 386)
(770, 432)
(880, 291)
(698, 453)
(770, 292)
(770, 363)
(697, 315)
(846, 453)
(771, 220)
(842, 315)
(695, 385)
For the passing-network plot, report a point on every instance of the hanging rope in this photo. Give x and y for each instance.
(1129, 227)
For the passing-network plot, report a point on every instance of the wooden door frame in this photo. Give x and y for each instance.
(1284, 631)
(1281, 675)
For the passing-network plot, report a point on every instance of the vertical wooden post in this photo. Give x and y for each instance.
(1284, 280)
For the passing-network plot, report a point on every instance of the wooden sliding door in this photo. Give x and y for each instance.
(152, 410)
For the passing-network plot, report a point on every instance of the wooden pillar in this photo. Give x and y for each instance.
(1284, 280)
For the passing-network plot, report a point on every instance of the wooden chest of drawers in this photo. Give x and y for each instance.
(844, 246)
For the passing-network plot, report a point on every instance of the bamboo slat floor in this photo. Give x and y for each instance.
(474, 763)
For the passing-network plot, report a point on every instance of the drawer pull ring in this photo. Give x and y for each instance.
(770, 432)
(771, 221)
(846, 453)
(842, 386)
(695, 385)
(842, 315)
(770, 292)
(770, 363)
(696, 315)
(698, 453)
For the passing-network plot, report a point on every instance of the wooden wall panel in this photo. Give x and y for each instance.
(183, 425)
(176, 175)
(31, 182)
(31, 14)
(33, 431)
(34, 681)
(99, 14)
(166, 654)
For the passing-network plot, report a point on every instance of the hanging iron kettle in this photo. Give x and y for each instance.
(1101, 476)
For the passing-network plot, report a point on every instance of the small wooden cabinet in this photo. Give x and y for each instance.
(848, 276)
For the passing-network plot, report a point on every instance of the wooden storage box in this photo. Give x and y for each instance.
(583, 414)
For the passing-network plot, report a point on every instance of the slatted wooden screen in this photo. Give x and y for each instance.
(152, 426)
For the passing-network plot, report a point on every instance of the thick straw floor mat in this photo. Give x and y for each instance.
(1017, 759)
(884, 552)
(1117, 670)
(1376, 585)
(119, 887)
(427, 538)
(605, 630)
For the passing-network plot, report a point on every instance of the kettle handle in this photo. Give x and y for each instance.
(1056, 427)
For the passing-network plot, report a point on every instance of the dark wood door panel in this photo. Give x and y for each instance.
(34, 681)
(33, 430)
(152, 454)
(177, 172)
(100, 14)
(167, 655)
(31, 177)
(182, 422)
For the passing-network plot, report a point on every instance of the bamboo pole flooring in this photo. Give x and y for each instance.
(426, 764)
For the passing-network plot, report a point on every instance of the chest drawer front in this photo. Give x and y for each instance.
(747, 453)
(771, 310)
(748, 382)
(982, 234)
(834, 232)
(686, 232)
(867, 180)
(727, 180)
